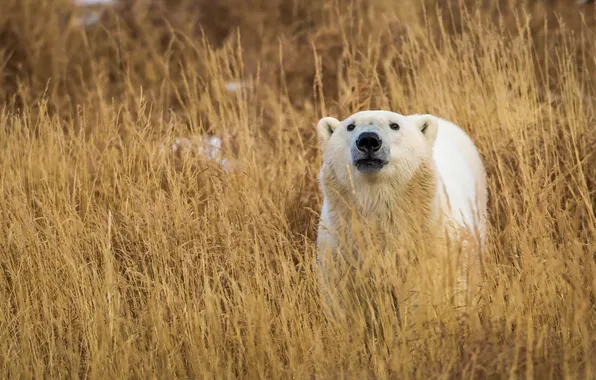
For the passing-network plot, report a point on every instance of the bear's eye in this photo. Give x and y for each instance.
(394, 126)
(351, 127)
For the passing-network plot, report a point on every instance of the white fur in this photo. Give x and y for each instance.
(460, 196)
(460, 168)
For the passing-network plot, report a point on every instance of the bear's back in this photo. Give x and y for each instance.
(462, 173)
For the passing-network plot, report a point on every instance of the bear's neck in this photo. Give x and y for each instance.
(403, 209)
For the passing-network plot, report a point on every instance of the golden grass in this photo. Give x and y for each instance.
(120, 260)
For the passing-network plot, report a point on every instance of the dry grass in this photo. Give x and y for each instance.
(118, 260)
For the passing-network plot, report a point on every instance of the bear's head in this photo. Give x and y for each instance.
(376, 145)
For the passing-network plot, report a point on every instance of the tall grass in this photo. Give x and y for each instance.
(119, 259)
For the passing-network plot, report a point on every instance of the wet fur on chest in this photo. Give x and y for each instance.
(399, 210)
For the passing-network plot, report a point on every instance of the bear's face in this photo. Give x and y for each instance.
(374, 145)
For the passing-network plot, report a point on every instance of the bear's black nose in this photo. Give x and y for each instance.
(368, 142)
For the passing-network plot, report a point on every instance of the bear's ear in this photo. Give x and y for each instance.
(326, 127)
(428, 125)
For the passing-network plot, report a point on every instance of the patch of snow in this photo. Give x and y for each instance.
(210, 148)
(234, 86)
(89, 19)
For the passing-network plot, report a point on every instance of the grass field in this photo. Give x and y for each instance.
(121, 258)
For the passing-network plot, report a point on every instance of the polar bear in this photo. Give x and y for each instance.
(388, 167)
